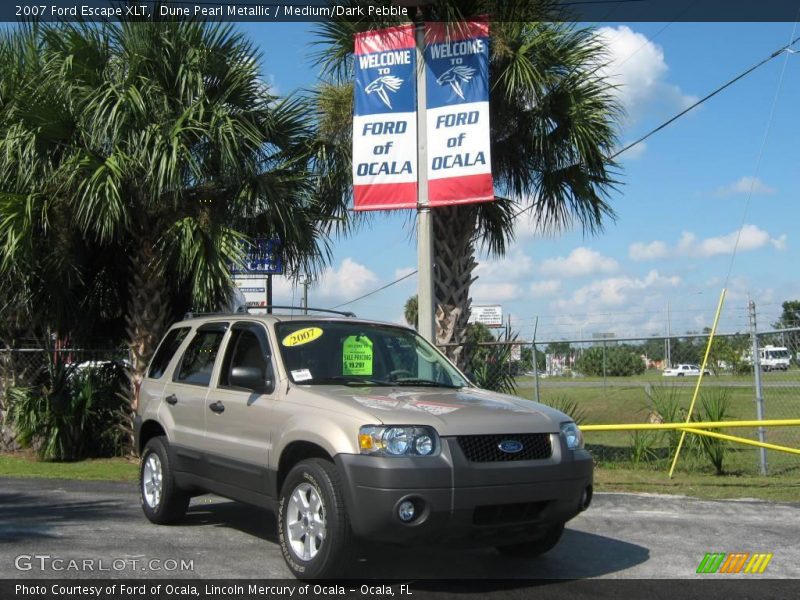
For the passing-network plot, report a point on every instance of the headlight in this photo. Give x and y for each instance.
(405, 440)
(572, 435)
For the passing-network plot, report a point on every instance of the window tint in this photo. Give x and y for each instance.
(198, 360)
(246, 348)
(166, 351)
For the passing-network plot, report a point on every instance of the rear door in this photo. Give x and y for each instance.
(238, 418)
(185, 396)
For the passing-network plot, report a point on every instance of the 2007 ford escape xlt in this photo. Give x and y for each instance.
(351, 429)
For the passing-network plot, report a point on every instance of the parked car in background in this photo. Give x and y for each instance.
(684, 370)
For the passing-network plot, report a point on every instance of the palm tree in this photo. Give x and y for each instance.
(136, 160)
(411, 311)
(552, 131)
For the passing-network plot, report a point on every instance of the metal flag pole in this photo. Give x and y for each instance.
(425, 296)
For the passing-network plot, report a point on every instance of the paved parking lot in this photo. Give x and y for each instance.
(620, 536)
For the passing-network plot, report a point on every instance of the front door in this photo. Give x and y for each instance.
(238, 429)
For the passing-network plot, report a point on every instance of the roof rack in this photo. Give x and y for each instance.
(344, 313)
(192, 314)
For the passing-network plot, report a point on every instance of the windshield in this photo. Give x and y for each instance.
(777, 354)
(357, 353)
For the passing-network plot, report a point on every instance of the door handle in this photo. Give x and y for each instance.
(217, 407)
(172, 399)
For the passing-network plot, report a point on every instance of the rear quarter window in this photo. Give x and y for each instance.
(166, 350)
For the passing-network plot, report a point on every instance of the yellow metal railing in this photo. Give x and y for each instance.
(699, 428)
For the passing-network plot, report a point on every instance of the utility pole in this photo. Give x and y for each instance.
(535, 366)
(762, 436)
(306, 282)
(669, 336)
(425, 296)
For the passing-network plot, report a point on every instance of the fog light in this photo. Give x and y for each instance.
(406, 511)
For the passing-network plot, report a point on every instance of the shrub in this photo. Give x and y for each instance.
(569, 407)
(714, 406)
(665, 400)
(642, 447)
(71, 412)
(620, 361)
(494, 371)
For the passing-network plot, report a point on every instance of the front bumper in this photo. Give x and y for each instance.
(461, 501)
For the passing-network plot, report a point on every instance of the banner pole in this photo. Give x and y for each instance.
(425, 296)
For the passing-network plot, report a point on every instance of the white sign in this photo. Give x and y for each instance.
(491, 316)
(254, 291)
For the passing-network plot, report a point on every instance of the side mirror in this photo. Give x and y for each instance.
(251, 378)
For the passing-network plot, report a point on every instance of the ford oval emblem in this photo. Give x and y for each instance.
(510, 446)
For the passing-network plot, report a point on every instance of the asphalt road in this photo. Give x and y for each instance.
(620, 536)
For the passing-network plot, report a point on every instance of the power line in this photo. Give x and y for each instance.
(760, 154)
(707, 97)
(380, 289)
(781, 50)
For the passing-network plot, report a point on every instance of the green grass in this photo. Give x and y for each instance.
(630, 403)
(776, 488)
(99, 469)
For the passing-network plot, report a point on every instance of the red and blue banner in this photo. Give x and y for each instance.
(385, 120)
(459, 165)
(457, 74)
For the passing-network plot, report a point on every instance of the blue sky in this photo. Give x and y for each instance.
(681, 201)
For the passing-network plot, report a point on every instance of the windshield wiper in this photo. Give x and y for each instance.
(425, 382)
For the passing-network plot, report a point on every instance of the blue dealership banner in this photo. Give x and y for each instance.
(457, 86)
(385, 120)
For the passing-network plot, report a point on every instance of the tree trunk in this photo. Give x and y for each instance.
(147, 313)
(454, 257)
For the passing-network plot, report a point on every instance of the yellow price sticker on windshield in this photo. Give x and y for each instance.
(357, 355)
(302, 336)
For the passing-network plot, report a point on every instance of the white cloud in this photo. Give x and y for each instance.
(581, 261)
(744, 185)
(548, 287)
(403, 271)
(615, 291)
(638, 68)
(526, 227)
(752, 237)
(654, 250)
(350, 280)
(494, 293)
(511, 267)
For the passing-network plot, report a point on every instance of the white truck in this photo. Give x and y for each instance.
(774, 358)
(684, 370)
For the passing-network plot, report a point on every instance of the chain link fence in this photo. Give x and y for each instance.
(28, 366)
(603, 380)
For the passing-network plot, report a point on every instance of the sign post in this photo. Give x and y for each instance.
(421, 129)
(426, 302)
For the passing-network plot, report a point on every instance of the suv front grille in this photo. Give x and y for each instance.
(486, 448)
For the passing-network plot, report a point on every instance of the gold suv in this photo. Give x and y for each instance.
(350, 429)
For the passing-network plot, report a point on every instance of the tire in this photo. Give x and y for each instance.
(163, 502)
(313, 525)
(534, 547)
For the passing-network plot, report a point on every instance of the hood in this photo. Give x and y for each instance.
(465, 411)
